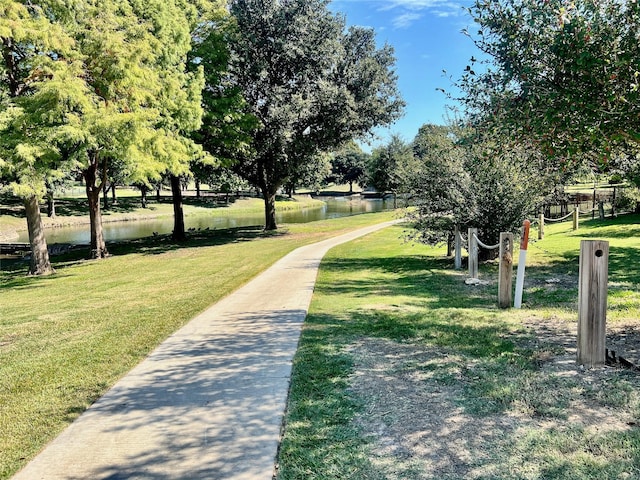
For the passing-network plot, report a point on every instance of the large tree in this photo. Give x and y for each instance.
(37, 59)
(441, 186)
(562, 75)
(310, 84)
(116, 89)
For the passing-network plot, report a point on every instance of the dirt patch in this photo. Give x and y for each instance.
(415, 416)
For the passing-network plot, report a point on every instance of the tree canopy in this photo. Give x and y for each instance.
(310, 83)
(564, 75)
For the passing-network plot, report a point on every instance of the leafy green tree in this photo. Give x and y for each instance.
(440, 186)
(121, 92)
(388, 167)
(563, 76)
(467, 179)
(312, 173)
(37, 58)
(349, 165)
(310, 84)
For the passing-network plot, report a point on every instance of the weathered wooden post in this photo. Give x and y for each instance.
(473, 252)
(457, 262)
(592, 302)
(541, 226)
(505, 270)
(576, 218)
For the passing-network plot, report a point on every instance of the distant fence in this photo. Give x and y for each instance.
(602, 197)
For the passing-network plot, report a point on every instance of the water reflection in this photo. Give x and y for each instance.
(115, 231)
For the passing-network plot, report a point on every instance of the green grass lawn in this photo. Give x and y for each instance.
(488, 368)
(66, 338)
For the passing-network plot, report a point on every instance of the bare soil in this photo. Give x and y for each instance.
(417, 421)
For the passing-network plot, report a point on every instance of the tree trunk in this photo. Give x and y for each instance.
(143, 194)
(105, 195)
(178, 215)
(114, 200)
(39, 264)
(269, 211)
(51, 204)
(158, 194)
(98, 245)
(350, 186)
(197, 189)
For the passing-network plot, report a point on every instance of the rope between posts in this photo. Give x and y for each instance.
(488, 247)
(588, 211)
(558, 219)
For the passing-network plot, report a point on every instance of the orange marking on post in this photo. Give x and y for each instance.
(524, 242)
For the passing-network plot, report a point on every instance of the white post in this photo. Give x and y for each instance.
(458, 248)
(522, 260)
(473, 253)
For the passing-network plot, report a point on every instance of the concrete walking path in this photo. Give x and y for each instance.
(208, 402)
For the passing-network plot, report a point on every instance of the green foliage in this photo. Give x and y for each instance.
(389, 166)
(471, 181)
(563, 75)
(311, 85)
(348, 165)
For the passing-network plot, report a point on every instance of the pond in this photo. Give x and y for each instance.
(115, 231)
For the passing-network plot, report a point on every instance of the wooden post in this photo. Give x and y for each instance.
(505, 270)
(458, 248)
(576, 218)
(473, 253)
(522, 261)
(541, 226)
(592, 302)
(601, 210)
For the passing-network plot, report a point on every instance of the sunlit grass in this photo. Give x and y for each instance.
(380, 287)
(64, 339)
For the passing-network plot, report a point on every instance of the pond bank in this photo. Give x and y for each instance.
(127, 209)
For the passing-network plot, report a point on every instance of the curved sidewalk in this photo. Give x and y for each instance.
(208, 402)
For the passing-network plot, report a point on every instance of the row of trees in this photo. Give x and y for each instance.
(140, 90)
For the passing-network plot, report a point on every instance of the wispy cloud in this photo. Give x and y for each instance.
(405, 20)
(422, 4)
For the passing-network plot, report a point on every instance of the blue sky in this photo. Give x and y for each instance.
(427, 38)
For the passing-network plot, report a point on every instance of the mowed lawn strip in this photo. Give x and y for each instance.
(378, 288)
(65, 339)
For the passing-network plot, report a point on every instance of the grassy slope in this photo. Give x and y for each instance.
(378, 287)
(66, 338)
